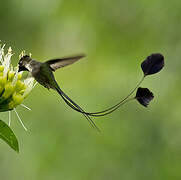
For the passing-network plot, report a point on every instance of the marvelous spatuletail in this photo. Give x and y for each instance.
(43, 73)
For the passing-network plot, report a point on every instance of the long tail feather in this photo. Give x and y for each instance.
(95, 114)
(76, 107)
(116, 106)
(105, 112)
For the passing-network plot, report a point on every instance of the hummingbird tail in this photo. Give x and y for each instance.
(76, 107)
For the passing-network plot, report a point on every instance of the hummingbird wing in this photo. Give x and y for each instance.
(62, 62)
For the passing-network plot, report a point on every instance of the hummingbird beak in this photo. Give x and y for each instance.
(22, 68)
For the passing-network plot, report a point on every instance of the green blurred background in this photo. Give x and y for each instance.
(136, 143)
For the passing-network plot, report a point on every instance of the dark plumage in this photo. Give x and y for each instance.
(144, 96)
(43, 73)
(152, 64)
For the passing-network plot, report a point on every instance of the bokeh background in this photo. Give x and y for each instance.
(136, 143)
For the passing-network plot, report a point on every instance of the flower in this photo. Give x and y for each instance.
(13, 88)
(144, 96)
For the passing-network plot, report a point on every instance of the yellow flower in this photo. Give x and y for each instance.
(13, 88)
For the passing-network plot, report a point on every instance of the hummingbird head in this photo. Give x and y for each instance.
(23, 63)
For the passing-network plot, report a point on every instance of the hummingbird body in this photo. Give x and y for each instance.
(43, 74)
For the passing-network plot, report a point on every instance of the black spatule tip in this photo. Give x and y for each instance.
(144, 96)
(152, 64)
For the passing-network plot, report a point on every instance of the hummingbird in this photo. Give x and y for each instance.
(43, 74)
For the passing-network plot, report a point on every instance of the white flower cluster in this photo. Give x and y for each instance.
(13, 89)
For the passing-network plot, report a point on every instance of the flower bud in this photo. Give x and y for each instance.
(10, 75)
(8, 90)
(1, 68)
(17, 98)
(19, 86)
(2, 83)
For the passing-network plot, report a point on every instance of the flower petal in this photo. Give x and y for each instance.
(1, 53)
(29, 85)
(7, 62)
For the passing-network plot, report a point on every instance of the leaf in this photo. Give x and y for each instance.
(8, 136)
(144, 96)
(152, 64)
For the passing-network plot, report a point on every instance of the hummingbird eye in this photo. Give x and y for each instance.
(20, 63)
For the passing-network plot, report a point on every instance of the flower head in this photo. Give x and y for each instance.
(13, 88)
